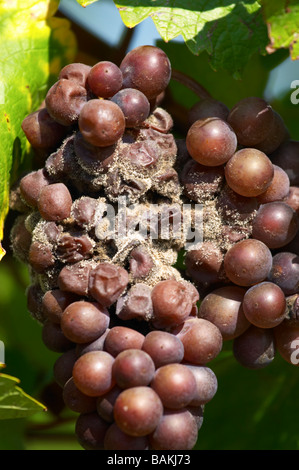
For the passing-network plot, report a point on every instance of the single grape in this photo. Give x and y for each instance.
(84, 321)
(20, 239)
(55, 202)
(163, 347)
(249, 172)
(211, 141)
(90, 431)
(75, 72)
(234, 208)
(101, 122)
(175, 384)
(206, 384)
(141, 262)
(207, 108)
(54, 302)
(255, 348)
(116, 439)
(176, 430)
(134, 104)
(74, 278)
(276, 136)
(107, 282)
(251, 118)
(31, 186)
(275, 224)
(72, 249)
(42, 131)
(264, 305)
(171, 303)
(105, 79)
(204, 265)
(223, 307)
(278, 189)
(138, 410)
(202, 340)
(201, 182)
(84, 211)
(40, 257)
(146, 68)
(248, 262)
(65, 100)
(63, 366)
(121, 338)
(132, 368)
(285, 272)
(92, 373)
(137, 303)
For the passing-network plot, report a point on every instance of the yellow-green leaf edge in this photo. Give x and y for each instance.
(11, 382)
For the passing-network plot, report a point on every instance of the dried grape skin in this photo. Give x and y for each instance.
(248, 262)
(107, 282)
(55, 202)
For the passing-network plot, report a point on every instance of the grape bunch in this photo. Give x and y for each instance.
(135, 334)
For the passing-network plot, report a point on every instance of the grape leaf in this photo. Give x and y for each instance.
(35, 45)
(14, 402)
(230, 31)
(282, 18)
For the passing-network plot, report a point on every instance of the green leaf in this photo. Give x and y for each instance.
(230, 31)
(282, 17)
(35, 45)
(14, 402)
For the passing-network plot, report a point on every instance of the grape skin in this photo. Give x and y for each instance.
(249, 172)
(251, 118)
(105, 79)
(285, 272)
(224, 308)
(248, 262)
(255, 348)
(134, 104)
(264, 305)
(275, 224)
(211, 141)
(140, 65)
(138, 410)
(101, 122)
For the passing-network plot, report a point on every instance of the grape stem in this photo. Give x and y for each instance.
(190, 83)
